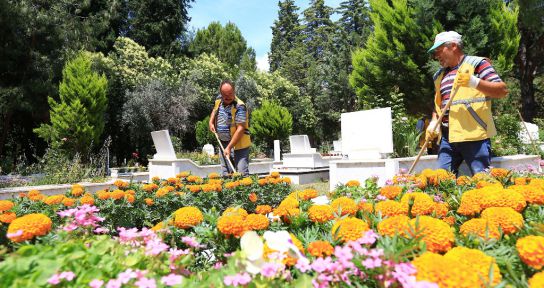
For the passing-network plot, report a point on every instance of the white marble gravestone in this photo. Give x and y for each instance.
(163, 145)
(277, 151)
(524, 136)
(367, 134)
(300, 144)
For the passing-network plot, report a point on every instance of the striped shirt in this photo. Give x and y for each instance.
(483, 70)
(224, 119)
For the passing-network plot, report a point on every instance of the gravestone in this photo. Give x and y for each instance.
(300, 144)
(277, 151)
(533, 132)
(208, 149)
(163, 145)
(337, 145)
(367, 134)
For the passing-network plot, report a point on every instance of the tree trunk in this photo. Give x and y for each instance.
(529, 59)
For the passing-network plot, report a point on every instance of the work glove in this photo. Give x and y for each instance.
(431, 134)
(465, 79)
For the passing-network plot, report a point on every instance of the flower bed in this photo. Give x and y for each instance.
(429, 230)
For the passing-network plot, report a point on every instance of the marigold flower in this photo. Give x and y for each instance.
(158, 226)
(31, 225)
(320, 213)
(488, 183)
(320, 248)
(194, 179)
(262, 181)
(263, 209)
(420, 182)
(256, 222)
(130, 198)
(440, 210)
(275, 174)
(349, 229)
(446, 272)
(345, 205)
(32, 193)
(103, 195)
(289, 202)
(537, 281)
(150, 187)
(54, 199)
(232, 185)
(499, 172)
(290, 260)
(532, 193)
(77, 190)
(308, 194)
(423, 204)
(521, 181)
(480, 263)
(353, 183)
(502, 198)
(235, 211)
(253, 197)
(480, 227)
(440, 175)
(365, 206)
(507, 218)
(68, 202)
(231, 224)
(531, 250)
(214, 175)
(194, 188)
(450, 220)
(117, 194)
(435, 233)
(285, 180)
(120, 184)
(463, 180)
(149, 201)
(7, 217)
(6, 205)
(246, 181)
(187, 217)
(183, 174)
(161, 192)
(86, 200)
(390, 191)
(394, 225)
(390, 208)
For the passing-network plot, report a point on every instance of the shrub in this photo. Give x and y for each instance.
(270, 122)
(203, 134)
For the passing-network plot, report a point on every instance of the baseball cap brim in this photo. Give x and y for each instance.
(436, 45)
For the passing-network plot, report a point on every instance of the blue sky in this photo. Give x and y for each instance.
(253, 17)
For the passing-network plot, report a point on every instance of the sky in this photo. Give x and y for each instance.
(254, 18)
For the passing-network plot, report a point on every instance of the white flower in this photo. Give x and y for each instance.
(321, 200)
(252, 245)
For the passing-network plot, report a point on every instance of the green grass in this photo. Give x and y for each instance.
(321, 187)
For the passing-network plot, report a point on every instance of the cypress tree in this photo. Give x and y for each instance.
(285, 34)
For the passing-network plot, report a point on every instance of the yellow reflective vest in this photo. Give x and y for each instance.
(245, 141)
(470, 116)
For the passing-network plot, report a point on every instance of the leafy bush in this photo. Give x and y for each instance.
(507, 140)
(203, 134)
(270, 122)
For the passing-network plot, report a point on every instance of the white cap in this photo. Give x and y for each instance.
(444, 37)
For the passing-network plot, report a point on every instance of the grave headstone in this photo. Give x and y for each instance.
(277, 151)
(208, 149)
(524, 136)
(300, 144)
(163, 145)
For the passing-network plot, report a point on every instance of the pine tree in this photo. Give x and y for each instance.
(355, 21)
(285, 34)
(77, 120)
(318, 28)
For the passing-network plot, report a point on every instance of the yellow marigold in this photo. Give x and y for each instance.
(489, 183)
(420, 182)
(533, 194)
(7, 217)
(275, 174)
(150, 187)
(54, 199)
(423, 204)
(440, 210)
(440, 175)
(289, 202)
(349, 229)
(155, 179)
(194, 179)
(187, 217)
(232, 185)
(345, 205)
(158, 226)
(390, 208)
(77, 190)
(394, 225)
(449, 219)
(183, 174)
(256, 222)
(194, 188)
(285, 180)
(507, 218)
(390, 191)
(320, 213)
(308, 194)
(263, 209)
(463, 180)
(531, 250)
(427, 173)
(235, 211)
(353, 183)
(86, 200)
(103, 195)
(120, 184)
(262, 181)
(521, 180)
(39, 197)
(213, 175)
(33, 193)
(172, 180)
(206, 187)
(537, 281)
(480, 176)
(365, 206)
(231, 224)
(246, 181)
(253, 197)
(435, 233)
(290, 212)
(502, 198)
(320, 248)
(480, 263)
(117, 194)
(6, 205)
(130, 198)
(149, 201)
(31, 225)
(499, 172)
(161, 193)
(446, 272)
(68, 202)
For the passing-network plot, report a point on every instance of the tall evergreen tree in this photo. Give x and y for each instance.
(285, 33)
(355, 21)
(318, 28)
(77, 119)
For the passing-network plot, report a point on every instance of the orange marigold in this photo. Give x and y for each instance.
(521, 181)
(285, 180)
(150, 187)
(149, 201)
(275, 174)
(446, 272)
(31, 225)
(353, 183)
(537, 281)
(436, 233)
(6, 205)
(365, 206)
(54, 199)
(213, 175)
(232, 185)
(308, 194)
(194, 188)
(463, 180)
(117, 194)
(440, 210)
(423, 204)
(390, 208)
(263, 209)
(161, 192)
(253, 197)
(235, 211)
(120, 184)
(246, 181)
(480, 227)
(349, 229)
(256, 222)
(194, 179)
(345, 205)
(7, 217)
(492, 197)
(68, 202)
(183, 174)
(231, 224)
(390, 191)
(531, 250)
(533, 194)
(480, 263)
(187, 217)
(499, 172)
(33, 193)
(440, 175)
(77, 190)
(320, 248)
(488, 183)
(103, 195)
(130, 198)
(507, 218)
(86, 200)
(262, 181)
(394, 225)
(449, 219)
(320, 213)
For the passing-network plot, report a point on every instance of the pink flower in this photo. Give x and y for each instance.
(114, 283)
(171, 279)
(218, 265)
(146, 283)
(369, 238)
(68, 275)
(303, 265)
(270, 269)
(372, 263)
(126, 276)
(191, 242)
(96, 283)
(320, 264)
(16, 234)
(101, 230)
(54, 280)
(381, 198)
(237, 280)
